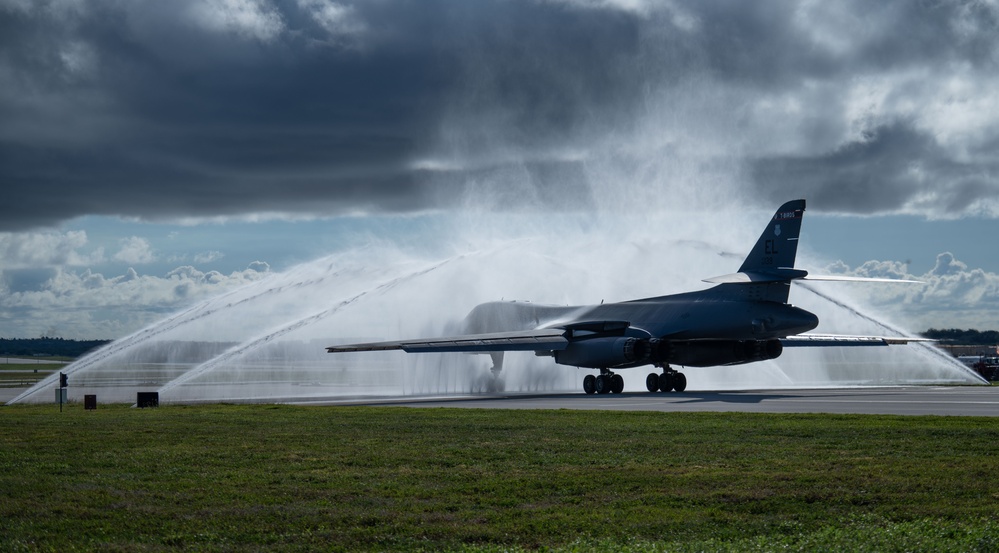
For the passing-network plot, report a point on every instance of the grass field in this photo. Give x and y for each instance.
(238, 478)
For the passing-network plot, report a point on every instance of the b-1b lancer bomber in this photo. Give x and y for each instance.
(744, 319)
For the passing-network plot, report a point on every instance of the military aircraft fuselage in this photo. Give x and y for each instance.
(690, 317)
(682, 329)
(745, 318)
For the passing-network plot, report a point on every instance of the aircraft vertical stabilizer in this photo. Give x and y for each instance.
(767, 272)
(778, 245)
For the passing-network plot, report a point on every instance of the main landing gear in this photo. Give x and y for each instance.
(607, 382)
(669, 380)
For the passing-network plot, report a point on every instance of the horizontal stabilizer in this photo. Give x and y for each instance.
(757, 277)
(844, 278)
(527, 340)
(838, 340)
(784, 275)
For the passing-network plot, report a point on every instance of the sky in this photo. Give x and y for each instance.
(155, 154)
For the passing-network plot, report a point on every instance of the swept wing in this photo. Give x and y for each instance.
(527, 340)
(840, 340)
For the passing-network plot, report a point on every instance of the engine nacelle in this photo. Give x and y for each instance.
(710, 353)
(601, 353)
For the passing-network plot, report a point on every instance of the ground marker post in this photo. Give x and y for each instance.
(61, 392)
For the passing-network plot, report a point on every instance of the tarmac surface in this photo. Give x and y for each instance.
(929, 400)
(30, 361)
(914, 400)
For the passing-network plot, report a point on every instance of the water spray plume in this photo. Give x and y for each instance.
(621, 205)
(265, 341)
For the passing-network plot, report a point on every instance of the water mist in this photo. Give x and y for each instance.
(264, 342)
(638, 203)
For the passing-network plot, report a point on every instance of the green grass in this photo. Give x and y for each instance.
(237, 478)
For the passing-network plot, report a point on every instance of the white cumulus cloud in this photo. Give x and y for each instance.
(208, 257)
(952, 294)
(88, 305)
(46, 249)
(135, 250)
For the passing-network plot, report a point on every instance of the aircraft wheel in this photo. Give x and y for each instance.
(666, 382)
(603, 384)
(590, 384)
(652, 382)
(617, 384)
(679, 382)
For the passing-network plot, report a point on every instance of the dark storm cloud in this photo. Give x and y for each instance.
(889, 166)
(228, 107)
(140, 109)
(176, 120)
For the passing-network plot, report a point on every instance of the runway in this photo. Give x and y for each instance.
(964, 401)
(936, 400)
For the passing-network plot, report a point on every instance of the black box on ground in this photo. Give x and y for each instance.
(147, 399)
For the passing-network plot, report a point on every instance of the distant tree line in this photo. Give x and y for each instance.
(58, 347)
(970, 337)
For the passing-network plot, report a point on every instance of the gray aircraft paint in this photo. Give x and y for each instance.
(743, 320)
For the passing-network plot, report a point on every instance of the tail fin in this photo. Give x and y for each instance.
(767, 273)
(778, 245)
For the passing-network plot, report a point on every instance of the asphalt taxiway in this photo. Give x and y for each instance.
(911, 400)
(915, 400)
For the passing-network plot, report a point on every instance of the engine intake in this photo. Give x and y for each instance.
(601, 353)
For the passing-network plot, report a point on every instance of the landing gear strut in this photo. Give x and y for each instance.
(669, 380)
(607, 382)
(495, 383)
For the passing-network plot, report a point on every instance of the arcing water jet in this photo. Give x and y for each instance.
(264, 342)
